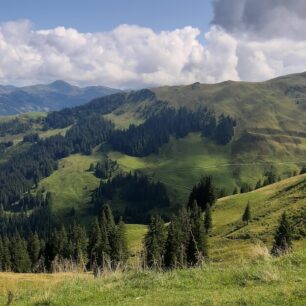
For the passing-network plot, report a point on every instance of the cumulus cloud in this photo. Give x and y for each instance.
(236, 47)
(262, 19)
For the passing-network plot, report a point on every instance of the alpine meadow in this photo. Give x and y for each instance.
(167, 168)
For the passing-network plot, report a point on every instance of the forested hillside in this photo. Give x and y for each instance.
(245, 135)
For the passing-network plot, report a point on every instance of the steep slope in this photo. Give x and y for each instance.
(54, 96)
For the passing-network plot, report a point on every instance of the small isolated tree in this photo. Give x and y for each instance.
(236, 190)
(246, 217)
(208, 219)
(282, 237)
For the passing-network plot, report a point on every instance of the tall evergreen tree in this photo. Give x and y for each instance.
(246, 217)
(20, 259)
(282, 237)
(154, 242)
(197, 248)
(1, 254)
(6, 254)
(120, 249)
(94, 245)
(34, 248)
(208, 220)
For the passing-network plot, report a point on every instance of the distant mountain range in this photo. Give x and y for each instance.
(47, 97)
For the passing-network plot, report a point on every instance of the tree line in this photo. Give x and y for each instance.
(16, 126)
(104, 245)
(137, 191)
(27, 246)
(148, 137)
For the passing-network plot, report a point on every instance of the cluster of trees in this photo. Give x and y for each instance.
(204, 194)
(183, 243)
(34, 137)
(148, 137)
(30, 201)
(87, 133)
(137, 190)
(15, 126)
(104, 169)
(24, 170)
(99, 106)
(5, 145)
(103, 246)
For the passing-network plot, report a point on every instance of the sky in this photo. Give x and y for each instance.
(136, 44)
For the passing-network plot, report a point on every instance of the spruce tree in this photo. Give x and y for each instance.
(107, 227)
(172, 246)
(1, 256)
(33, 248)
(154, 242)
(6, 255)
(177, 238)
(197, 248)
(120, 249)
(246, 217)
(208, 220)
(282, 237)
(203, 193)
(21, 262)
(94, 245)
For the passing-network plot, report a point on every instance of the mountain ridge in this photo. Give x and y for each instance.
(47, 97)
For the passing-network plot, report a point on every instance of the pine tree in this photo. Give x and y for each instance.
(246, 217)
(236, 190)
(94, 245)
(107, 227)
(283, 237)
(78, 244)
(208, 220)
(33, 248)
(258, 184)
(6, 255)
(197, 248)
(177, 240)
(154, 242)
(120, 249)
(1, 256)
(203, 193)
(21, 262)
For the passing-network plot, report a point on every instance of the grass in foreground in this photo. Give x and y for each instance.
(265, 281)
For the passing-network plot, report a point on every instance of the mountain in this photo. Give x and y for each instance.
(170, 141)
(47, 97)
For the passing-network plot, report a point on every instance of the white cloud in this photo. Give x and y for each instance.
(132, 56)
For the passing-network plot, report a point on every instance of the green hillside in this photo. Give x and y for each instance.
(240, 270)
(270, 133)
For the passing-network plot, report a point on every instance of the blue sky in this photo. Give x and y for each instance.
(98, 16)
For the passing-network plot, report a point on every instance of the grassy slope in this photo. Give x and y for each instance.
(232, 240)
(271, 131)
(181, 163)
(72, 184)
(239, 272)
